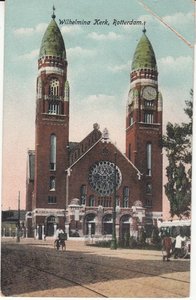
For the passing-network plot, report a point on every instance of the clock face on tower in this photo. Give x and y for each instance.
(149, 92)
(101, 177)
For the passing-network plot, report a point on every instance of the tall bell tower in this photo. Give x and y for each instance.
(52, 121)
(144, 125)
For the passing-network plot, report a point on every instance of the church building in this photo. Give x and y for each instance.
(80, 187)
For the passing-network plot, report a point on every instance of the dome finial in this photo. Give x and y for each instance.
(53, 15)
(144, 29)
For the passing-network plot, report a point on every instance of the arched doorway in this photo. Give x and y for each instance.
(89, 220)
(125, 226)
(107, 224)
(50, 222)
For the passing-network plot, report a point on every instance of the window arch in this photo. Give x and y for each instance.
(53, 152)
(149, 159)
(54, 87)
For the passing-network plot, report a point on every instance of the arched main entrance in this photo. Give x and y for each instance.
(125, 226)
(107, 224)
(89, 220)
(50, 222)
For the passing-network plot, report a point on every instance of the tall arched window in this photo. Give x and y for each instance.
(83, 192)
(52, 183)
(39, 88)
(149, 159)
(126, 196)
(53, 152)
(54, 87)
(91, 200)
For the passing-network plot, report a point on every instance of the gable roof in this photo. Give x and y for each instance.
(103, 138)
(78, 150)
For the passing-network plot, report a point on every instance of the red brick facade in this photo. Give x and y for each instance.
(66, 192)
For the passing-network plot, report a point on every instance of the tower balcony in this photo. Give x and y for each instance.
(53, 98)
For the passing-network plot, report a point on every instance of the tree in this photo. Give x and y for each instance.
(177, 143)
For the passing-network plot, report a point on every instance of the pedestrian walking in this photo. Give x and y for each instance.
(178, 245)
(167, 247)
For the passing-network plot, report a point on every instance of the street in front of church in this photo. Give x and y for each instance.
(34, 268)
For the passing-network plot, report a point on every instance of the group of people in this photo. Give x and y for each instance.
(167, 246)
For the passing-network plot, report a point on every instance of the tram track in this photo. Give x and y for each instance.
(85, 261)
(73, 282)
(106, 271)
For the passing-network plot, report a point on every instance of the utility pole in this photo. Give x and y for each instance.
(18, 223)
(113, 245)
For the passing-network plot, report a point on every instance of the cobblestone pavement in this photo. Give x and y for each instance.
(34, 268)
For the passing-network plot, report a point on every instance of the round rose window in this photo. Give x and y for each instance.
(101, 177)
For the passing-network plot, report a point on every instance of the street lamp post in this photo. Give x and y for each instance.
(113, 241)
(18, 223)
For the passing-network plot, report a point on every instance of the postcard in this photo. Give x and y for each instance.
(97, 148)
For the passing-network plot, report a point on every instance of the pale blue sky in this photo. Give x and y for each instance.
(99, 64)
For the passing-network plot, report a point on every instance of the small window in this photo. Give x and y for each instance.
(92, 200)
(51, 199)
(126, 197)
(83, 192)
(149, 188)
(149, 202)
(131, 119)
(52, 183)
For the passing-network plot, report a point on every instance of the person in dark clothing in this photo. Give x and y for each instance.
(167, 247)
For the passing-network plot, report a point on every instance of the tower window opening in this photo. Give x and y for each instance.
(149, 159)
(131, 119)
(53, 152)
(148, 118)
(148, 103)
(53, 109)
(54, 87)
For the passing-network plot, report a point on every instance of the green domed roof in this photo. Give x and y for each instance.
(52, 42)
(144, 56)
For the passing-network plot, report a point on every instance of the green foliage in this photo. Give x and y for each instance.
(177, 143)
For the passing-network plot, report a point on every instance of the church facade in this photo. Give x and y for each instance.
(80, 187)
